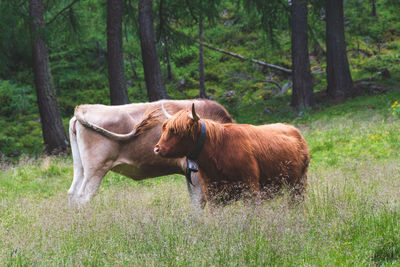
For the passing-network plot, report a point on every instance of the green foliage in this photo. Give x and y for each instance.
(184, 57)
(395, 109)
(273, 15)
(383, 68)
(15, 99)
(20, 128)
(14, 140)
(14, 38)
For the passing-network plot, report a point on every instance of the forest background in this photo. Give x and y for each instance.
(90, 52)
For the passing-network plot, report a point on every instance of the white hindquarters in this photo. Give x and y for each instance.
(88, 172)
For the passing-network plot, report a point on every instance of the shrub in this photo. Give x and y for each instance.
(19, 121)
(15, 99)
(185, 56)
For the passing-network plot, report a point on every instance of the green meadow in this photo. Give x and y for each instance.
(350, 217)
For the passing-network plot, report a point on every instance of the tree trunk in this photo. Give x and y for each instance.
(169, 69)
(54, 135)
(151, 64)
(116, 75)
(302, 95)
(374, 8)
(340, 83)
(202, 86)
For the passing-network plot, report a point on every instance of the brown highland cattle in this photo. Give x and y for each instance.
(238, 161)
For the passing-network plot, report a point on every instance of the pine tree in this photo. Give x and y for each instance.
(151, 64)
(116, 74)
(303, 95)
(53, 131)
(340, 83)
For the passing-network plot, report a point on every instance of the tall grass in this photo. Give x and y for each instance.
(350, 216)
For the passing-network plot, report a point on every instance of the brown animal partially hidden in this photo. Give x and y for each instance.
(239, 160)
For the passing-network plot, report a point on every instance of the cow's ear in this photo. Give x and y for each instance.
(195, 117)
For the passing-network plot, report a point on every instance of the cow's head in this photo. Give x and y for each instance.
(179, 134)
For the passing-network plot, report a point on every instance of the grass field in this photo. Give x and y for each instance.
(351, 215)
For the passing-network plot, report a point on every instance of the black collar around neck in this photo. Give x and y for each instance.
(190, 160)
(200, 143)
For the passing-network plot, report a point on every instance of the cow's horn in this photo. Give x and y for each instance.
(165, 112)
(194, 115)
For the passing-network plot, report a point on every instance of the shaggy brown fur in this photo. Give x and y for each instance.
(240, 160)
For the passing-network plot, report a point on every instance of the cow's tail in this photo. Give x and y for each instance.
(148, 121)
(72, 126)
(79, 115)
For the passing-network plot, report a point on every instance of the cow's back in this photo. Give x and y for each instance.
(281, 151)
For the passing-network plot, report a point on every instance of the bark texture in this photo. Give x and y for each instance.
(202, 86)
(340, 83)
(151, 64)
(116, 75)
(303, 95)
(54, 135)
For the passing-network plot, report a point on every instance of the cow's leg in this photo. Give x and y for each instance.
(196, 195)
(252, 178)
(91, 182)
(297, 190)
(255, 192)
(78, 168)
(94, 163)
